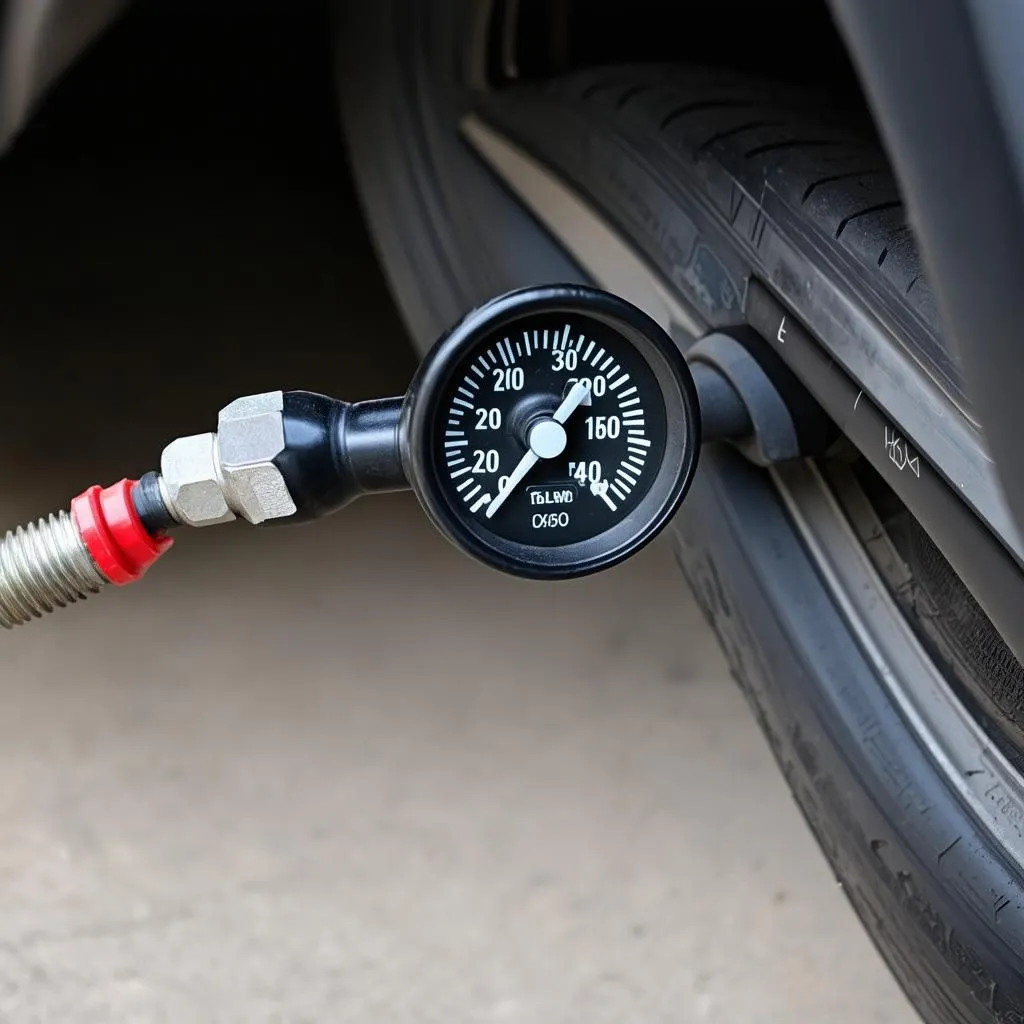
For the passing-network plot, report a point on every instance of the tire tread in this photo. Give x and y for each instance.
(834, 179)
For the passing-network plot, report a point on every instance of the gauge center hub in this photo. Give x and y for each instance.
(548, 439)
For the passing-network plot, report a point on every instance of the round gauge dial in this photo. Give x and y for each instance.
(552, 432)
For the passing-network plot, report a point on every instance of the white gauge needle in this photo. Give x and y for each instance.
(526, 463)
(546, 442)
(578, 394)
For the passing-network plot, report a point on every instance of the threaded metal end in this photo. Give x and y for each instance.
(43, 566)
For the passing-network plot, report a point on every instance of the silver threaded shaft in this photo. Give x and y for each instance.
(43, 566)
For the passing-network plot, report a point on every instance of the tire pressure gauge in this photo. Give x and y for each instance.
(552, 432)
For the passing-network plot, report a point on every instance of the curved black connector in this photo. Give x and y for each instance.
(336, 451)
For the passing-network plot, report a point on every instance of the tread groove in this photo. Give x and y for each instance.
(595, 87)
(809, 191)
(631, 93)
(775, 147)
(691, 108)
(747, 126)
(877, 208)
(738, 133)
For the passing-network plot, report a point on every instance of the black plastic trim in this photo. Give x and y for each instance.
(985, 566)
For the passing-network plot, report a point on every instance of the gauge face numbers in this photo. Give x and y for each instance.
(551, 431)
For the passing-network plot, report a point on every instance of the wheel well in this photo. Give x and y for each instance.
(790, 40)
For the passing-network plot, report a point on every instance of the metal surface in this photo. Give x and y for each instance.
(857, 341)
(209, 478)
(44, 566)
(944, 86)
(250, 434)
(191, 481)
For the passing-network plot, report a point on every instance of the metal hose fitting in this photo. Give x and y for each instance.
(57, 561)
(43, 566)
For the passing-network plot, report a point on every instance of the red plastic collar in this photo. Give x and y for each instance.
(113, 533)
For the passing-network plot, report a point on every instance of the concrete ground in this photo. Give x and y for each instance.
(340, 773)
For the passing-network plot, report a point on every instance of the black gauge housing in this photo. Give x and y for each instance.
(602, 530)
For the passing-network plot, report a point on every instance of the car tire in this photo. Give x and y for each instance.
(678, 162)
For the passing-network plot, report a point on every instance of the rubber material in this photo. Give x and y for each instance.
(943, 906)
(723, 416)
(730, 136)
(149, 503)
(834, 180)
(933, 889)
(334, 452)
(372, 444)
(113, 533)
(687, 198)
(773, 436)
(621, 136)
(986, 569)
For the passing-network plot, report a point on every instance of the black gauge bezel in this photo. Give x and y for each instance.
(423, 416)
